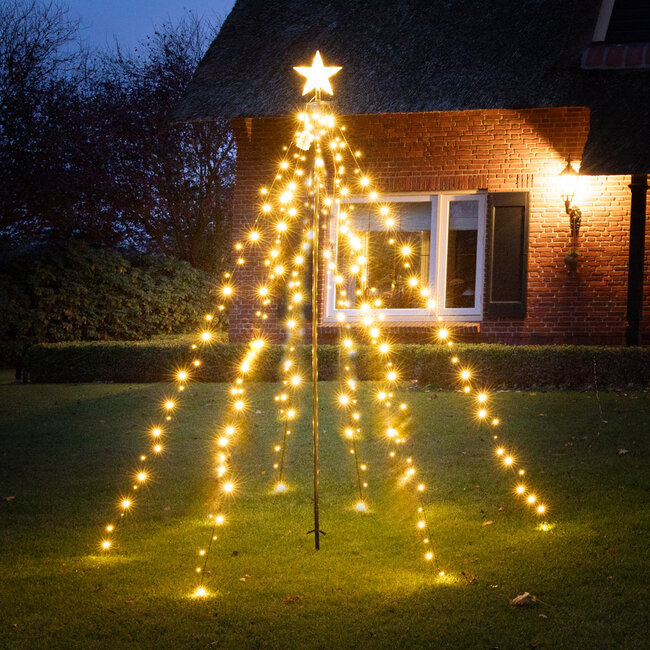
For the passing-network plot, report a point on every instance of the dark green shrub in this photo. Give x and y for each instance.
(77, 292)
(494, 366)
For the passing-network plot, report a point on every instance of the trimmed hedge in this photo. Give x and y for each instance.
(76, 292)
(497, 366)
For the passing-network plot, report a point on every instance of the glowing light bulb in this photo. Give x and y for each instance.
(297, 298)
(482, 414)
(422, 524)
(156, 432)
(126, 504)
(157, 448)
(182, 375)
(228, 487)
(142, 477)
(482, 398)
(465, 374)
(226, 290)
(266, 208)
(110, 528)
(344, 400)
(500, 451)
(263, 291)
(360, 506)
(106, 544)
(239, 405)
(280, 487)
(254, 236)
(295, 380)
(413, 282)
(200, 592)
(391, 376)
(384, 347)
(406, 250)
(428, 555)
(508, 460)
(531, 498)
(206, 336)
(541, 509)
(364, 181)
(521, 489)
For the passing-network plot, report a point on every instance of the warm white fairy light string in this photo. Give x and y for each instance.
(280, 211)
(182, 376)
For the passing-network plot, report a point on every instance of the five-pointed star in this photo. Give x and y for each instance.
(318, 76)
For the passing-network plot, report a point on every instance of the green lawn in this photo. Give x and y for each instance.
(65, 451)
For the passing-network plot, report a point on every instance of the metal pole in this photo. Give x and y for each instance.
(639, 188)
(314, 349)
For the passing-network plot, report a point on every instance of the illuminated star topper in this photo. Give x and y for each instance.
(318, 76)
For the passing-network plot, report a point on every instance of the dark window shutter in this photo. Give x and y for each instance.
(507, 268)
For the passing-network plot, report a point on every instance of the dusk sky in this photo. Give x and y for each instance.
(130, 21)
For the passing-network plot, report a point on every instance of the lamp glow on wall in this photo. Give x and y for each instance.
(568, 182)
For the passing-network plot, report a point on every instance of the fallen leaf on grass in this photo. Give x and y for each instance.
(494, 586)
(487, 523)
(543, 616)
(9, 498)
(470, 581)
(622, 452)
(523, 599)
(290, 600)
(235, 554)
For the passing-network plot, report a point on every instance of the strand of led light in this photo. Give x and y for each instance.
(346, 375)
(383, 347)
(142, 474)
(507, 458)
(287, 412)
(126, 503)
(263, 294)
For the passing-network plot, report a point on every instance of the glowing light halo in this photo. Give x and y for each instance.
(318, 75)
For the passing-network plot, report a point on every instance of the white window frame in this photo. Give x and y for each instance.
(437, 262)
(465, 313)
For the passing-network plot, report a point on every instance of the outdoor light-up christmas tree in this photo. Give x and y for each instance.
(316, 184)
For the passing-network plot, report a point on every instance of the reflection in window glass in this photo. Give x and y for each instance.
(461, 254)
(390, 261)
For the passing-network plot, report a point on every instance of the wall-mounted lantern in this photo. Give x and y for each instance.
(568, 181)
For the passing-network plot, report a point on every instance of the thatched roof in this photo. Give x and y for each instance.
(426, 55)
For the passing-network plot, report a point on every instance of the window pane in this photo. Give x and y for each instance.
(390, 257)
(461, 254)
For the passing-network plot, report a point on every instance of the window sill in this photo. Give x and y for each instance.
(456, 327)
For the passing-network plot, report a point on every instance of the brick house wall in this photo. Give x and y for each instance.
(497, 150)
